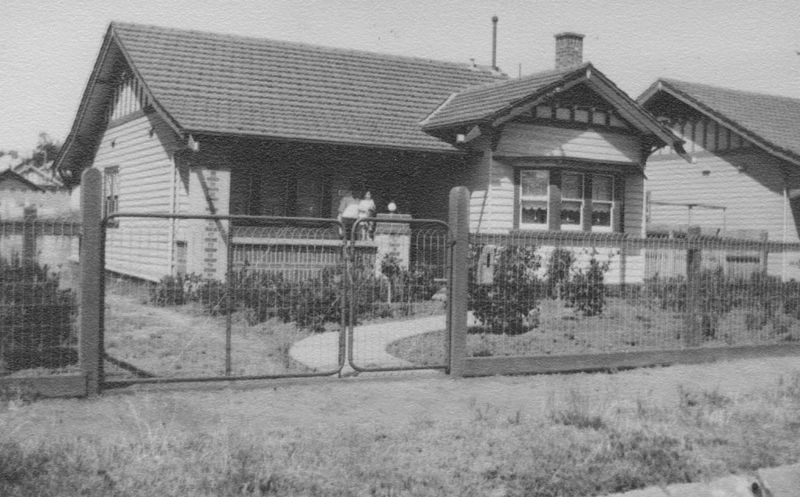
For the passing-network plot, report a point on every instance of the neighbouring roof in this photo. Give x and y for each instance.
(770, 121)
(11, 177)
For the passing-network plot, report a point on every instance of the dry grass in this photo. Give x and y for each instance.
(578, 446)
(184, 341)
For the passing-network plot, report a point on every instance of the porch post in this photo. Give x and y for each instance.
(90, 341)
(458, 284)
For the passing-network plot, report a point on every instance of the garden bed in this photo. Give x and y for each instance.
(626, 325)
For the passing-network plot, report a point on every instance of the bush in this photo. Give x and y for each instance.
(586, 292)
(505, 305)
(35, 317)
(559, 269)
(406, 285)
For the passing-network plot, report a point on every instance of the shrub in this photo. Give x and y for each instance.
(504, 305)
(559, 268)
(35, 317)
(586, 292)
(406, 285)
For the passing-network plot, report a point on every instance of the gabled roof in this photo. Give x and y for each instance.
(770, 121)
(495, 103)
(9, 174)
(205, 83)
(482, 102)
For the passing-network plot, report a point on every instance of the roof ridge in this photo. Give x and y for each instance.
(728, 89)
(532, 76)
(304, 45)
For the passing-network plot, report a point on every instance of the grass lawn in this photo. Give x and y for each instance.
(624, 326)
(184, 341)
(426, 435)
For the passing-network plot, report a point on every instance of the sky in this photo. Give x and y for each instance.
(48, 48)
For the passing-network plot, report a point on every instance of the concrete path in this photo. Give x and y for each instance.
(320, 351)
(783, 481)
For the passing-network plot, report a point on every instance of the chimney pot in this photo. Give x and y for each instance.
(569, 50)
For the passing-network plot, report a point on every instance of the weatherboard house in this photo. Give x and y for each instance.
(196, 123)
(744, 177)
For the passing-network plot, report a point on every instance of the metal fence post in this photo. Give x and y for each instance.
(91, 280)
(694, 318)
(459, 271)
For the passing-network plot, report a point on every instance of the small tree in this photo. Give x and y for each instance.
(559, 267)
(504, 305)
(587, 291)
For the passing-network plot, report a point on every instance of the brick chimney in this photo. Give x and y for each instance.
(569, 50)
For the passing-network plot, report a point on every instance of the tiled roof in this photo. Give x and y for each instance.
(221, 84)
(770, 120)
(481, 102)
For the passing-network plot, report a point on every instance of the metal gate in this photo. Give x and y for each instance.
(207, 297)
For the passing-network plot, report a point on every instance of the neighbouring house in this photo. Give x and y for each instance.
(189, 122)
(25, 186)
(744, 179)
(41, 176)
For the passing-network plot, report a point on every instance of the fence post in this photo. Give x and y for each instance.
(29, 234)
(693, 319)
(764, 253)
(91, 269)
(458, 285)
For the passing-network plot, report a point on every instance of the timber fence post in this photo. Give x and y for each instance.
(459, 272)
(29, 234)
(694, 318)
(91, 281)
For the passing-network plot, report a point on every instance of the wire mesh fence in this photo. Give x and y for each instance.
(196, 297)
(562, 293)
(38, 296)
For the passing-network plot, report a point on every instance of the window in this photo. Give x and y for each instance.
(602, 202)
(111, 194)
(577, 189)
(571, 201)
(533, 198)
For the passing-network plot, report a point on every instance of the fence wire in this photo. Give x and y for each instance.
(38, 296)
(194, 297)
(548, 293)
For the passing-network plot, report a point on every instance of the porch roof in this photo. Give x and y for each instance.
(221, 84)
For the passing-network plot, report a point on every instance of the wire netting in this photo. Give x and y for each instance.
(562, 293)
(38, 296)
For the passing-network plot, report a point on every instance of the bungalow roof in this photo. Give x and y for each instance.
(770, 121)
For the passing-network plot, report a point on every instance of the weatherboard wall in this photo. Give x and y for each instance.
(142, 150)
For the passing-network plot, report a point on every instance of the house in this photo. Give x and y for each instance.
(42, 176)
(190, 122)
(744, 179)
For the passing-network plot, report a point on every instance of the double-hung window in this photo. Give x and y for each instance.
(602, 202)
(111, 194)
(571, 201)
(534, 189)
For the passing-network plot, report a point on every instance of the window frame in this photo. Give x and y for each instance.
(581, 199)
(523, 198)
(611, 203)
